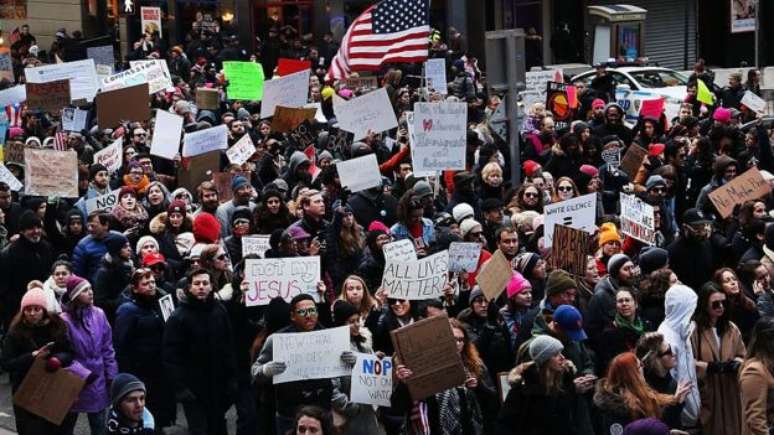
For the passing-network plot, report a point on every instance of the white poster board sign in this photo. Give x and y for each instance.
(204, 141)
(360, 173)
(435, 75)
(281, 277)
(13, 95)
(8, 178)
(111, 156)
(754, 102)
(150, 19)
(166, 135)
(153, 72)
(637, 219)
(311, 355)
(417, 280)
(413, 141)
(289, 91)
(371, 382)
(241, 151)
(104, 202)
(401, 251)
(371, 111)
(535, 91)
(440, 130)
(463, 256)
(258, 245)
(82, 76)
(74, 119)
(579, 213)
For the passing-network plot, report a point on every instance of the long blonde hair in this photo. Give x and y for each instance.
(368, 302)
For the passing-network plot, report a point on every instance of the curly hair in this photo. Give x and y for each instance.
(470, 356)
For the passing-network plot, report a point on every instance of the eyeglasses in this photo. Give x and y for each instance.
(665, 353)
(564, 188)
(716, 305)
(307, 312)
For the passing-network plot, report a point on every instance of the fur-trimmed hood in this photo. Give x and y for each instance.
(159, 224)
(610, 401)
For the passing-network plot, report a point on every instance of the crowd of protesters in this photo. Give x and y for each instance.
(677, 335)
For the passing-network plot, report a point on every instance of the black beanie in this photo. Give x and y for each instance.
(93, 169)
(29, 219)
(342, 310)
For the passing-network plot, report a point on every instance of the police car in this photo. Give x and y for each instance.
(635, 84)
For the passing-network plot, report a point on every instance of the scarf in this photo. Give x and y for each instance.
(459, 413)
(129, 218)
(635, 325)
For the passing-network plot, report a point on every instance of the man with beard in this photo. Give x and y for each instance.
(614, 125)
(236, 130)
(243, 192)
(601, 311)
(11, 209)
(140, 140)
(207, 194)
(98, 185)
(538, 143)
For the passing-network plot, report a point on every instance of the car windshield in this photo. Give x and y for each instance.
(658, 79)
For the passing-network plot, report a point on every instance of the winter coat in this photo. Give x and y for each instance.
(369, 205)
(118, 424)
(491, 340)
(400, 231)
(21, 262)
(612, 410)
(171, 245)
(87, 256)
(91, 338)
(692, 261)
(756, 383)
(224, 213)
(616, 340)
(112, 278)
(601, 309)
(361, 419)
(21, 340)
(371, 269)
(721, 408)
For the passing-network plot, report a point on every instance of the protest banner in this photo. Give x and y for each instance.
(287, 66)
(207, 98)
(748, 186)
(82, 76)
(579, 213)
(245, 80)
(150, 72)
(611, 156)
(126, 104)
(371, 381)
(49, 96)
(48, 394)
(652, 108)
(400, 251)
(558, 103)
(637, 219)
(355, 83)
(570, 250)
(8, 178)
(13, 95)
(204, 141)
(156, 81)
(51, 173)
(302, 136)
(440, 131)
(428, 349)
(369, 112)
(102, 55)
(360, 173)
(111, 156)
(288, 118)
(241, 151)
(14, 152)
(196, 169)
(435, 75)
(494, 275)
(6, 67)
(417, 280)
(288, 91)
(74, 119)
(463, 256)
(754, 102)
(535, 87)
(311, 355)
(632, 159)
(281, 277)
(103, 203)
(150, 20)
(166, 135)
(257, 244)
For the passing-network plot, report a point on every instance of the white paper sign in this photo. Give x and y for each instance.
(153, 72)
(463, 256)
(204, 141)
(579, 213)
(8, 178)
(166, 135)
(360, 173)
(371, 111)
(535, 91)
(74, 119)
(281, 277)
(413, 141)
(319, 116)
(754, 102)
(440, 130)
(111, 156)
(167, 306)
(13, 95)
(371, 382)
(435, 75)
(255, 245)
(637, 219)
(241, 151)
(401, 251)
(311, 355)
(82, 75)
(104, 202)
(289, 91)
(417, 280)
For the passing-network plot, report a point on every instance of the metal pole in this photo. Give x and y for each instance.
(757, 30)
(512, 107)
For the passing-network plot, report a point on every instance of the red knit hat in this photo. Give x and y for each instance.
(656, 149)
(589, 170)
(206, 228)
(530, 167)
(597, 103)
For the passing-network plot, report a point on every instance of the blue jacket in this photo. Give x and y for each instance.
(400, 231)
(87, 257)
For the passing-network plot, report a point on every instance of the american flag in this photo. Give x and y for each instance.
(390, 31)
(60, 141)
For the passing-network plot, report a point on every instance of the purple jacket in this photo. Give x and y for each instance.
(92, 344)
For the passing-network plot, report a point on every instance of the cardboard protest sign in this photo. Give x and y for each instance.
(281, 277)
(319, 116)
(150, 20)
(257, 244)
(207, 98)
(197, 169)
(111, 156)
(103, 203)
(417, 280)
(126, 104)
(579, 213)
(204, 141)
(311, 355)
(82, 76)
(302, 136)
(102, 55)
(440, 131)
(401, 251)
(435, 75)
(427, 347)
(222, 181)
(570, 250)
(371, 381)
(754, 102)
(49, 395)
(637, 219)
(74, 119)
(241, 151)
(13, 95)
(536, 84)
(289, 91)
(494, 275)
(632, 159)
(49, 96)
(289, 66)
(51, 173)
(14, 152)
(372, 111)
(360, 173)
(288, 118)
(367, 82)
(748, 186)
(8, 178)
(151, 72)
(245, 80)
(558, 103)
(463, 256)
(652, 108)
(612, 156)
(166, 135)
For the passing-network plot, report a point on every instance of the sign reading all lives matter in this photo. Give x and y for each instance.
(440, 130)
(281, 277)
(417, 280)
(371, 381)
(637, 219)
(311, 355)
(579, 213)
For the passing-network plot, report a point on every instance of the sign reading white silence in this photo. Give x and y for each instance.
(311, 355)
(371, 380)
(401, 251)
(204, 141)
(440, 133)
(579, 213)
(360, 173)
(637, 219)
(417, 280)
(371, 111)
(288, 91)
(281, 277)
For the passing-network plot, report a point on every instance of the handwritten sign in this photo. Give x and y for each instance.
(746, 187)
(104, 202)
(579, 213)
(203, 141)
(288, 118)
(535, 91)
(570, 250)
(435, 75)
(360, 173)
(494, 275)
(49, 96)
(166, 135)
(463, 256)
(302, 136)
(74, 119)
(371, 382)
(440, 130)
(241, 151)
(417, 280)
(125, 104)
(82, 76)
(281, 277)
(401, 251)
(289, 91)
(257, 245)
(51, 173)
(8, 178)
(13, 95)
(111, 156)
(632, 159)
(371, 111)
(754, 102)
(245, 80)
(355, 83)
(637, 219)
(612, 156)
(14, 151)
(207, 98)
(151, 72)
(311, 355)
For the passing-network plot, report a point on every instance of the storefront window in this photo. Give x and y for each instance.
(13, 9)
(297, 14)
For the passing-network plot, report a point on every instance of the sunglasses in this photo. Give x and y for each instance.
(716, 305)
(306, 312)
(665, 353)
(564, 188)
(658, 190)
(395, 301)
(221, 257)
(531, 195)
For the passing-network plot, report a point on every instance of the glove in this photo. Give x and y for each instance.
(53, 364)
(185, 396)
(274, 368)
(492, 311)
(714, 367)
(348, 358)
(91, 378)
(732, 366)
